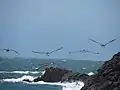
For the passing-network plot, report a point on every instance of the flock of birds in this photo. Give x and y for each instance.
(50, 52)
(82, 50)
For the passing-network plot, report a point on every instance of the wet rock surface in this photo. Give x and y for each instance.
(59, 75)
(54, 74)
(107, 78)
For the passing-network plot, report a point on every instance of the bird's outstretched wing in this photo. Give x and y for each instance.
(110, 41)
(71, 52)
(56, 50)
(75, 51)
(95, 41)
(2, 49)
(86, 50)
(39, 52)
(14, 51)
(94, 52)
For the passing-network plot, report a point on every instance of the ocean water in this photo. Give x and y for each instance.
(13, 71)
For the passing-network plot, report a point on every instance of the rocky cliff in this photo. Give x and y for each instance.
(107, 78)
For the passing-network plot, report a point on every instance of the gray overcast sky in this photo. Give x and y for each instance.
(44, 25)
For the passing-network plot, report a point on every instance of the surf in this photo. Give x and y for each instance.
(77, 85)
(23, 72)
(65, 85)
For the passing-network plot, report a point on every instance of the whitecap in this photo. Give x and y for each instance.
(91, 73)
(65, 86)
(31, 78)
(64, 60)
(22, 72)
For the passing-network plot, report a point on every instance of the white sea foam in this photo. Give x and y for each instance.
(64, 60)
(91, 73)
(23, 72)
(65, 86)
(43, 72)
(31, 78)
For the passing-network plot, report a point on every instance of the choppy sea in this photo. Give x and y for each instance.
(14, 70)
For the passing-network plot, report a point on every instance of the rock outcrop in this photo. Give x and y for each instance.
(53, 75)
(59, 75)
(107, 78)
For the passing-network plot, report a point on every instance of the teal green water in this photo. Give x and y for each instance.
(20, 86)
(29, 65)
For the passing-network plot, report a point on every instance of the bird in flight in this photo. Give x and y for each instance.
(84, 51)
(103, 45)
(48, 53)
(9, 50)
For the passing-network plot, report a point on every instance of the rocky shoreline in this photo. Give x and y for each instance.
(59, 75)
(107, 77)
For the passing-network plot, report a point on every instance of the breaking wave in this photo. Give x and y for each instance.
(65, 86)
(23, 72)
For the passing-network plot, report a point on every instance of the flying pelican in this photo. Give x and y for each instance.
(103, 45)
(85, 51)
(8, 50)
(48, 53)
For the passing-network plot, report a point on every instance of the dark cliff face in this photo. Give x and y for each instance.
(108, 76)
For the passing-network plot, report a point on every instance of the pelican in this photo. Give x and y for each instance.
(103, 45)
(48, 53)
(84, 51)
(8, 50)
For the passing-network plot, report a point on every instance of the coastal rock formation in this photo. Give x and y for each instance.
(59, 75)
(37, 79)
(72, 77)
(27, 80)
(53, 74)
(107, 78)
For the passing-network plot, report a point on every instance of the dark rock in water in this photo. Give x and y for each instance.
(27, 80)
(107, 78)
(71, 77)
(57, 74)
(37, 79)
(83, 77)
(54, 74)
(67, 77)
(63, 75)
